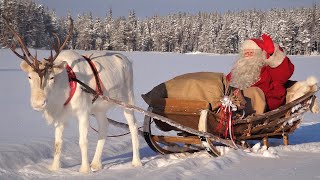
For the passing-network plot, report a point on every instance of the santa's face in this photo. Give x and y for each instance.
(246, 70)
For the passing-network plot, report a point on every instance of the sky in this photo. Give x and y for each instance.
(148, 8)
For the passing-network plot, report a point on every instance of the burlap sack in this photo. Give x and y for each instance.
(206, 86)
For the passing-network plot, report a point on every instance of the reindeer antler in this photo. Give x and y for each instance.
(24, 49)
(26, 55)
(60, 47)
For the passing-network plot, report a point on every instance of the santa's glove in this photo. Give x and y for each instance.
(268, 44)
(275, 54)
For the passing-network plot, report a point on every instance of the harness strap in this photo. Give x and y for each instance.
(72, 83)
(99, 88)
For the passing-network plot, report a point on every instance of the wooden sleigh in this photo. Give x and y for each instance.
(198, 115)
(174, 125)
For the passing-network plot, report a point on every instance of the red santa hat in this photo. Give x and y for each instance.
(274, 54)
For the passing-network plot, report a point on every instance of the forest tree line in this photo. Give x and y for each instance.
(297, 30)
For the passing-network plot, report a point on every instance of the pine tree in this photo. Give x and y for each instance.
(108, 29)
(99, 35)
(130, 31)
(296, 30)
(85, 33)
(118, 39)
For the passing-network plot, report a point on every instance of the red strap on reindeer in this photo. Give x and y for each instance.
(99, 88)
(72, 83)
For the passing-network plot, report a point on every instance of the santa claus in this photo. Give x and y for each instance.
(264, 65)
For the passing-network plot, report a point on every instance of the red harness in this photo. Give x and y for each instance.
(99, 88)
(73, 84)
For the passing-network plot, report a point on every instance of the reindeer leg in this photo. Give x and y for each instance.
(59, 128)
(103, 126)
(134, 137)
(83, 142)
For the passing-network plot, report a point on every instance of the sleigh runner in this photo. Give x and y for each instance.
(203, 116)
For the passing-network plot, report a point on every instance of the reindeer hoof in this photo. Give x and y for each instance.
(136, 163)
(84, 169)
(96, 167)
(54, 167)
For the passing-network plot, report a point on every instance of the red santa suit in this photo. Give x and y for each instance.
(262, 64)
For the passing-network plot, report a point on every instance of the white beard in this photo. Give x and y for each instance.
(246, 70)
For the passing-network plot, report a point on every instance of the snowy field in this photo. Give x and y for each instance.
(26, 141)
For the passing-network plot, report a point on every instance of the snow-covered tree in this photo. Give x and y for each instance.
(297, 30)
(85, 39)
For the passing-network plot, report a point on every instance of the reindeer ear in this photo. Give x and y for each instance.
(25, 67)
(58, 68)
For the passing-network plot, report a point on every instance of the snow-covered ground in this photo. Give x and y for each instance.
(26, 141)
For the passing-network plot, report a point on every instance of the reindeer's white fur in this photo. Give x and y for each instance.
(116, 74)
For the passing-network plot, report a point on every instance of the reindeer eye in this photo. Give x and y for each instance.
(29, 77)
(51, 77)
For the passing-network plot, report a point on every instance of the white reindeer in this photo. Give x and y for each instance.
(50, 89)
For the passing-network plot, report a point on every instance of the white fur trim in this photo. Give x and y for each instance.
(277, 57)
(202, 126)
(315, 106)
(301, 88)
(249, 44)
(311, 80)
